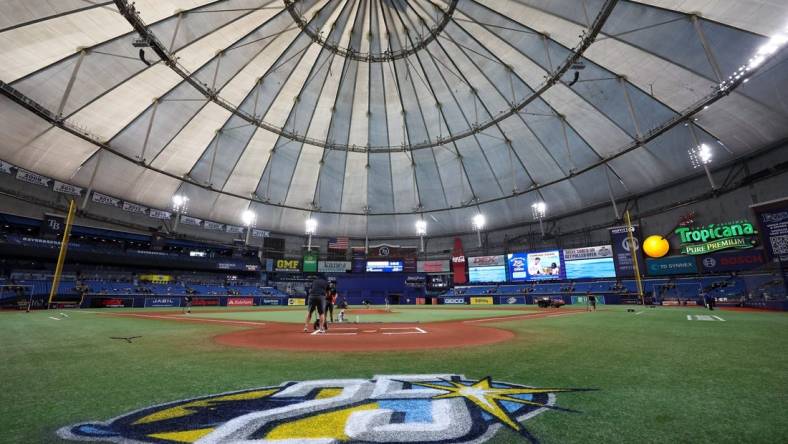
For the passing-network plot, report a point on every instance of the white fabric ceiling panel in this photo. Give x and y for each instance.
(182, 152)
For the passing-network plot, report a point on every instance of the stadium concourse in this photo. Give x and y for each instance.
(374, 221)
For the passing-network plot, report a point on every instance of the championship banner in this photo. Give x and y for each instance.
(732, 261)
(260, 233)
(188, 220)
(159, 214)
(240, 301)
(672, 265)
(105, 200)
(65, 188)
(359, 260)
(458, 262)
(333, 266)
(619, 240)
(30, 177)
(5, 167)
(773, 224)
(433, 266)
(134, 208)
(296, 301)
(482, 300)
(233, 229)
(213, 226)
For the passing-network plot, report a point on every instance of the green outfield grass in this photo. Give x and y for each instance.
(658, 377)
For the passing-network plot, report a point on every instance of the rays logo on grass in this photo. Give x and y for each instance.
(441, 408)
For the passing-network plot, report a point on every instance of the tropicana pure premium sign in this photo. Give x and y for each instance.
(714, 237)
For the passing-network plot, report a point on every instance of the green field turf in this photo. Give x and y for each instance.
(658, 377)
(414, 314)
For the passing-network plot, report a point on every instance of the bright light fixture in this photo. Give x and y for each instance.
(539, 209)
(479, 221)
(704, 153)
(421, 227)
(179, 202)
(248, 217)
(311, 226)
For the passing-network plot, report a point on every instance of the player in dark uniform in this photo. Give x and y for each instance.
(317, 301)
(331, 300)
(187, 307)
(592, 301)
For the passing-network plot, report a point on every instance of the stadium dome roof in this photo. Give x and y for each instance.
(370, 114)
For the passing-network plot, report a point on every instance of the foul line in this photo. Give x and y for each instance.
(524, 316)
(718, 318)
(181, 318)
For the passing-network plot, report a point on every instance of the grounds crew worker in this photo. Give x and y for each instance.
(317, 301)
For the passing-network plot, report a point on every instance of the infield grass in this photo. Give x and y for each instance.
(657, 376)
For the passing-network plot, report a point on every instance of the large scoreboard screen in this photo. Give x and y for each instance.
(384, 266)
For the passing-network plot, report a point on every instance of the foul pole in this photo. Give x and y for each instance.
(61, 258)
(633, 252)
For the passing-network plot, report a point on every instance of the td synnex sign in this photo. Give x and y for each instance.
(716, 237)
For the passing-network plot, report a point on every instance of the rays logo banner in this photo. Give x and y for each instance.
(437, 408)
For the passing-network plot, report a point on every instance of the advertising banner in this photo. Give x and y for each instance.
(310, 262)
(773, 224)
(162, 302)
(544, 265)
(159, 214)
(105, 200)
(732, 261)
(287, 265)
(260, 233)
(157, 278)
(188, 220)
(133, 208)
(240, 301)
(482, 300)
(65, 188)
(511, 300)
(671, 265)
(486, 261)
(270, 301)
(296, 301)
(458, 262)
(619, 240)
(518, 269)
(456, 300)
(715, 237)
(589, 262)
(333, 266)
(213, 226)
(30, 177)
(574, 254)
(205, 302)
(432, 266)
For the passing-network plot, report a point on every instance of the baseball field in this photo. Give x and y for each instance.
(415, 374)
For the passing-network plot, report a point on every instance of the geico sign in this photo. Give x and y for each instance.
(288, 265)
(458, 259)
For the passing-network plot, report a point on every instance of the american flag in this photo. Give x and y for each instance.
(338, 243)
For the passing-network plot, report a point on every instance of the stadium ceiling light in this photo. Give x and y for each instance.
(421, 227)
(539, 210)
(768, 49)
(478, 221)
(248, 217)
(179, 202)
(311, 226)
